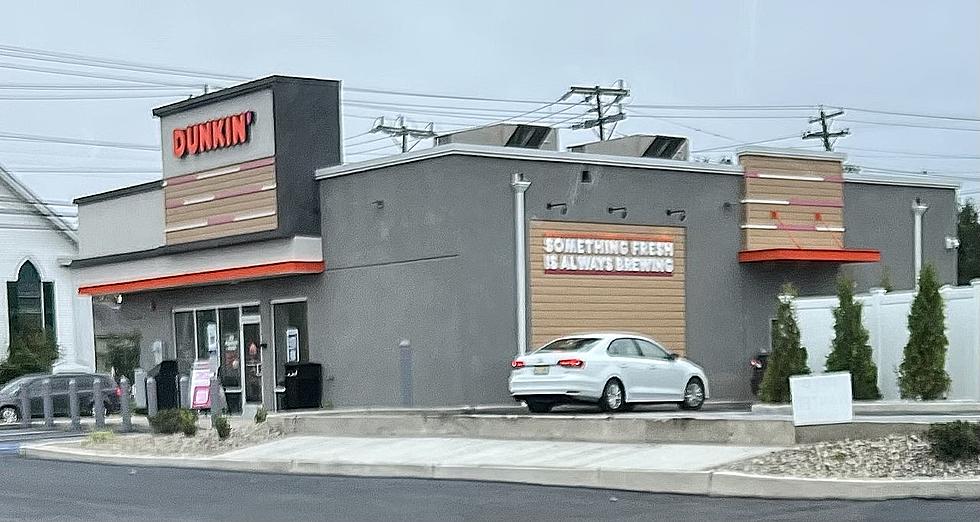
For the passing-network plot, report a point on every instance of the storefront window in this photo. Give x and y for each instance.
(205, 318)
(231, 369)
(184, 341)
(289, 318)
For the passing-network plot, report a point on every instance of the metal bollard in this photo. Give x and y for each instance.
(151, 397)
(76, 421)
(47, 403)
(216, 404)
(25, 406)
(124, 406)
(98, 404)
(408, 397)
(184, 385)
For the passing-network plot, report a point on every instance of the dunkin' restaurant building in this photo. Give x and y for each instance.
(259, 248)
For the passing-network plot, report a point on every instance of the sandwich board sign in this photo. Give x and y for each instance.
(201, 385)
(821, 399)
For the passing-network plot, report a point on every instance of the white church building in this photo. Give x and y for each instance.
(36, 246)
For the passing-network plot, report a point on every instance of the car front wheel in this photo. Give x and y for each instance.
(693, 395)
(613, 396)
(9, 415)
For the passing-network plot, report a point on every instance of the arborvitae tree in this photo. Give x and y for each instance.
(851, 349)
(968, 255)
(922, 374)
(788, 357)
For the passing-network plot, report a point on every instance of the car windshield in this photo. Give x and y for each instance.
(11, 387)
(579, 344)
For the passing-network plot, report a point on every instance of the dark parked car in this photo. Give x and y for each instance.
(10, 395)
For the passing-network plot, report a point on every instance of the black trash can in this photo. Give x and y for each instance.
(304, 386)
(168, 388)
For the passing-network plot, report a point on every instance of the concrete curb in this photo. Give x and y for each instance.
(951, 407)
(710, 483)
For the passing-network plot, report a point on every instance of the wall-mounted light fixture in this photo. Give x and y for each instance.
(679, 211)
(952, 243)
(620, 210)
(562, 206)
(378, 204)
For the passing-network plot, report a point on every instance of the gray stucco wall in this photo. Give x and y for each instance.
(456, 212)
(125, 224)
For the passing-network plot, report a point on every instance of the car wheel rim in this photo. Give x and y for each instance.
(693, 394)
(614, 395)
(8, 416)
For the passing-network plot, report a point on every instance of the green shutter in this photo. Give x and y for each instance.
(12, 309)
(47, 294)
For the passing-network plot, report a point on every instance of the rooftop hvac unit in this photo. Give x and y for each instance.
(505, 135)
(640, 146)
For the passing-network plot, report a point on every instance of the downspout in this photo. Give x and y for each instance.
(919, 208)
(520, 185)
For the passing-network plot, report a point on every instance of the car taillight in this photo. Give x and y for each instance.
(118, 391)
(571, 363)
(517, 364)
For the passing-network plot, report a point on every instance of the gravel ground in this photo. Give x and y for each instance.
(894, 457)
(205, 443)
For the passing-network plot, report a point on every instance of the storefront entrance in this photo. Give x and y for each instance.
(230, 337)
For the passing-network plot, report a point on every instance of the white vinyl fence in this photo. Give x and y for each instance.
(885, 315)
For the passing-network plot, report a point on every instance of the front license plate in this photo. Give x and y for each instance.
(540, 370)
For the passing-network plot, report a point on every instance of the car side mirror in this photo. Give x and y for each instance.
(672, 356)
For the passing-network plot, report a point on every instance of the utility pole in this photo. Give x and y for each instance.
(400, 130)
(825, 133)
(601, 96)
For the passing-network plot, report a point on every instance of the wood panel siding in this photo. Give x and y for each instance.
(770, 178)
(563, 303)
(224, 204)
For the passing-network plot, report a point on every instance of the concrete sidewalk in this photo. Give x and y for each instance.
(482, 453)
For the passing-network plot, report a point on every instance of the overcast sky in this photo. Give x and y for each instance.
(898, 56)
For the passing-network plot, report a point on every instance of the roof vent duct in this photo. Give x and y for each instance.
(505, 135)
(640, 146)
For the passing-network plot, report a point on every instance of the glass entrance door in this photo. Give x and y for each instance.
(252, 354)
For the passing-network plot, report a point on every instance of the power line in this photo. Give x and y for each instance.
(910, 153)
(83, 170)
(81, 87)
(913, 125)
(617, 94)
(746, 144)
(94, 97)
(77, 141)
(403, 132)
(913, 114)
(82, 74)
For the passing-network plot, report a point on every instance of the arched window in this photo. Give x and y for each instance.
(30, 302)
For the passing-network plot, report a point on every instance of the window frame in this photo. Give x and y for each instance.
(46, 302)
(630, 342)
(666, 353)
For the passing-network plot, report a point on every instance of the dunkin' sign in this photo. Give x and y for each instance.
(212, 135)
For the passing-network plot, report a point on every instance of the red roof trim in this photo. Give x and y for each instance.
(810, 254)
(212, 276)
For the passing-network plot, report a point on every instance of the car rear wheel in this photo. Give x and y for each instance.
(540, 406)
(693, 395)
(9, 415)
(613, 396)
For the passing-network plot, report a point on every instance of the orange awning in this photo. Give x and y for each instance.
(224, 275)
(828, 255)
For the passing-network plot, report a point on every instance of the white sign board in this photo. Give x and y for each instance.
(292, 345)
(201, 385)
(821, 399)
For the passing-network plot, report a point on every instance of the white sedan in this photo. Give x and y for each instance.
(615, 370)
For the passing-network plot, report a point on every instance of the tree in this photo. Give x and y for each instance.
(30, 351)
(968, 256)
(922, 373)
(788, 357)
(851, 349)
